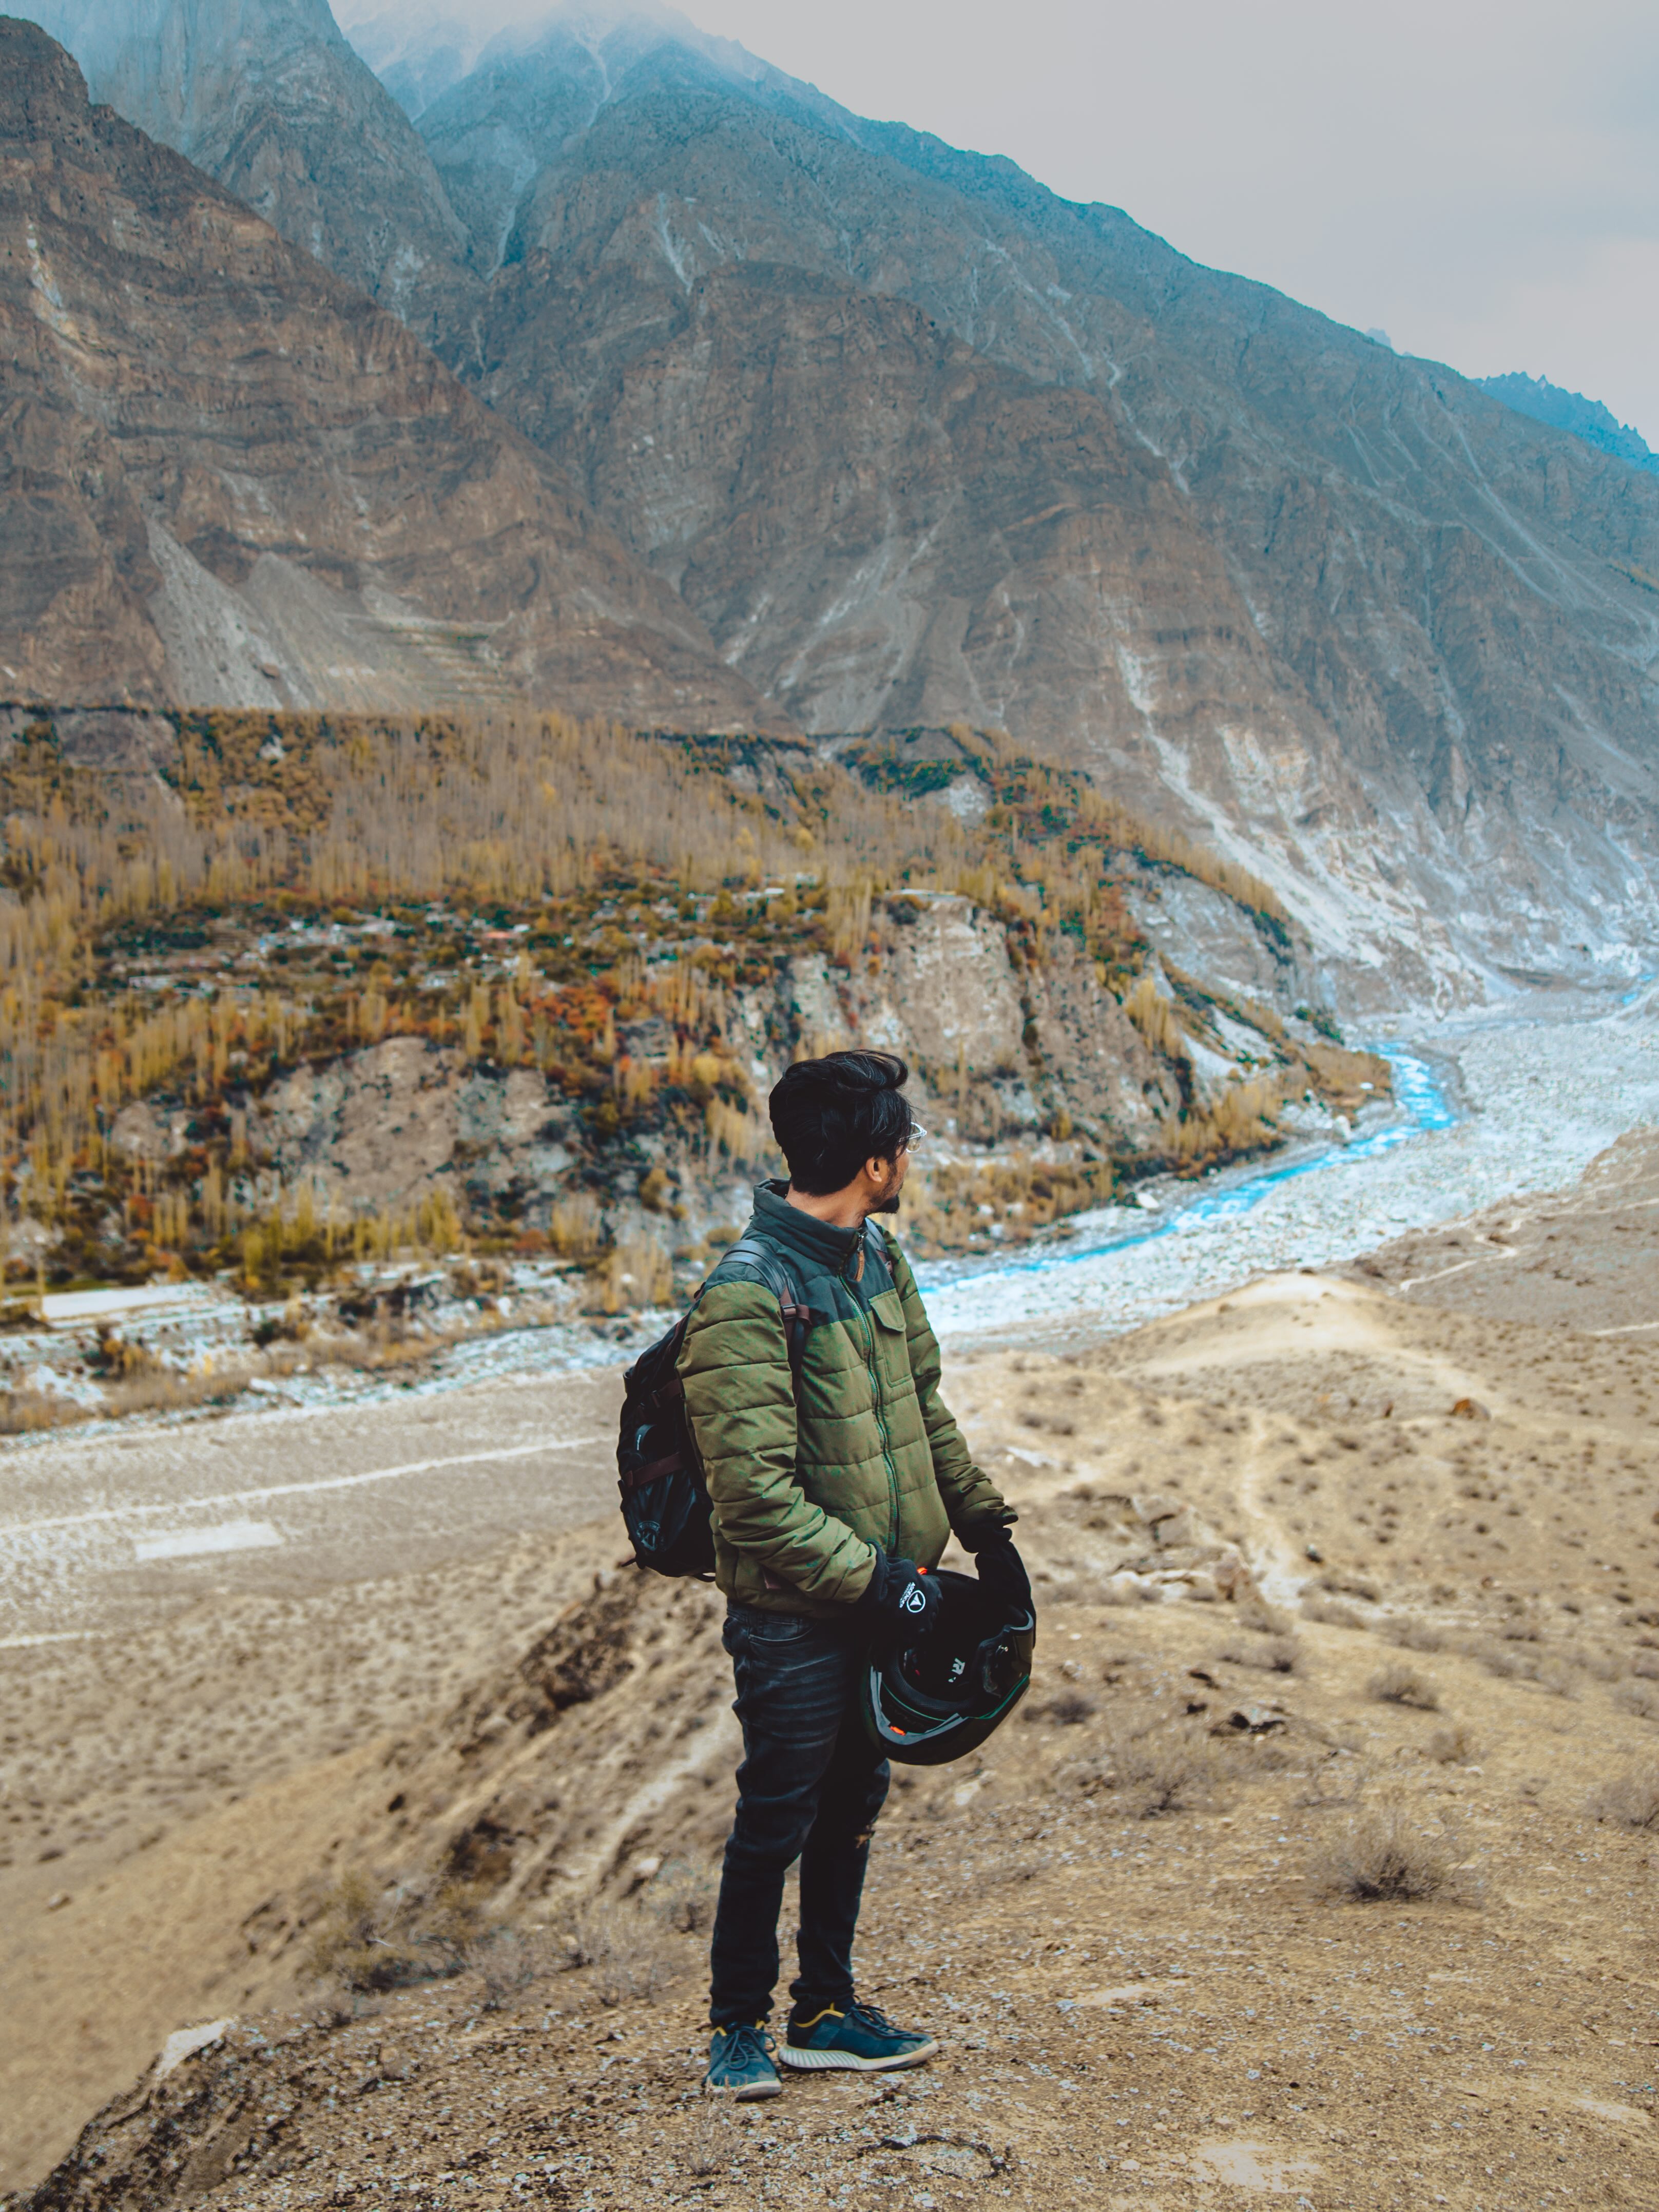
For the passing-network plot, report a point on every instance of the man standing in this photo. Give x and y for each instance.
(834, 1489)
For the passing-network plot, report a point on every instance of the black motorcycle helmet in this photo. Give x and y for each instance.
(927, 1703)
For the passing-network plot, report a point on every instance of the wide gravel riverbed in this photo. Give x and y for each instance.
(1495, 1105)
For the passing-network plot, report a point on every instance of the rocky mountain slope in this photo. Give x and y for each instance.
(913, 441)
(228, 476)
(1332, 590)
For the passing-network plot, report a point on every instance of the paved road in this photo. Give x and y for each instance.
(99, 1531)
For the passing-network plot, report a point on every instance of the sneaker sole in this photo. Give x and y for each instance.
(749, 2092)
(846, 2061)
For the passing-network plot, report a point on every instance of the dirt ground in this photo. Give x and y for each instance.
(1347, 1582)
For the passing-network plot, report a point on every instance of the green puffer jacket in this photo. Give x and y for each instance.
(875, 1461)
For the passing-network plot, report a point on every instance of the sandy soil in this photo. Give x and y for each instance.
(1335, 1562)
(105, 1533)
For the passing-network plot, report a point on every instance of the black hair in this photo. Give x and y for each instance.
(829, 1116)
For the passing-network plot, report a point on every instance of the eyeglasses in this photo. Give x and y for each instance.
(917, 1137)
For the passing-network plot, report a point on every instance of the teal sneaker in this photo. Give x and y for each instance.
(740, 2064)
(857, 2037)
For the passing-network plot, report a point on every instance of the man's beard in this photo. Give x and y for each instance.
(888, 1200)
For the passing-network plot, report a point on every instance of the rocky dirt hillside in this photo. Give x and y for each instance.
(1316, 1865)
(228, 475)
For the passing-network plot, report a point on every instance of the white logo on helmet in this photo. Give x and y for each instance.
(915, 1599)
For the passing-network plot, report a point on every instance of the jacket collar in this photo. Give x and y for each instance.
(803, 1232)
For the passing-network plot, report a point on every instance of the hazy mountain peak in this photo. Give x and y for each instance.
(1587, 419)
(168, 66)
(419, 53)
(245, 485)
(269, 99)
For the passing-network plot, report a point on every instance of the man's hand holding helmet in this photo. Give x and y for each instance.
(1001, 1570)
(900, 1600)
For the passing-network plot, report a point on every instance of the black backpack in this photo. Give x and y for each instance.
(664, 1499)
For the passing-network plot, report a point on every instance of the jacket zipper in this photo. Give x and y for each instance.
(881, 1424)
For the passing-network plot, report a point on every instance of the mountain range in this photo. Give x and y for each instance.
(875, 434)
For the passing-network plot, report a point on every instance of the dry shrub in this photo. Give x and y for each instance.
(114, 1359)
(24, 1410)
(575, 1227)
(1333, 1612)
(1415, 1636)
(681, 1896)
(637, 1274)
(1510, 1665)
(384, 1346)
(508, 1964)
(716, 2142)
(1454, 1746)
(369, 1937)
(1641, 1698)
(163, 1390)
(1258, 1618)
(1070, 1708)
(623, 1946)
(1381, 1857)
(448, 1919)
(1273, 1655)
(1160, 1764)
(353, 1945)
(1555, 1674)
(1631, 1799)
(1398, 1685)
(1349, 1586)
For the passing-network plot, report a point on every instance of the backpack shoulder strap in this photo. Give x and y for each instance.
(876, 1245)
(770, 1268)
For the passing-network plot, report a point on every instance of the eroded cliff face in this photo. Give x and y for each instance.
(230, 478)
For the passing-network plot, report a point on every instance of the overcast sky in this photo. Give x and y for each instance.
(1479, 180)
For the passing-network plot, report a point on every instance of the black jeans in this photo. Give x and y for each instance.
(810, 1787)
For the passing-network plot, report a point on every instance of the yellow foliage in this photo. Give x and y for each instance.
(575, 1228)
(636, 1274)
(735, 1131)
(1154, 1016)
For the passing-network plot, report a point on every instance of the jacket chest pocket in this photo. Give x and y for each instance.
(892, 1351)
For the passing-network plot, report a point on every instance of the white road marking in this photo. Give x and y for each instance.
(191, 1543)
(108, 1513)
(51, 1635)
